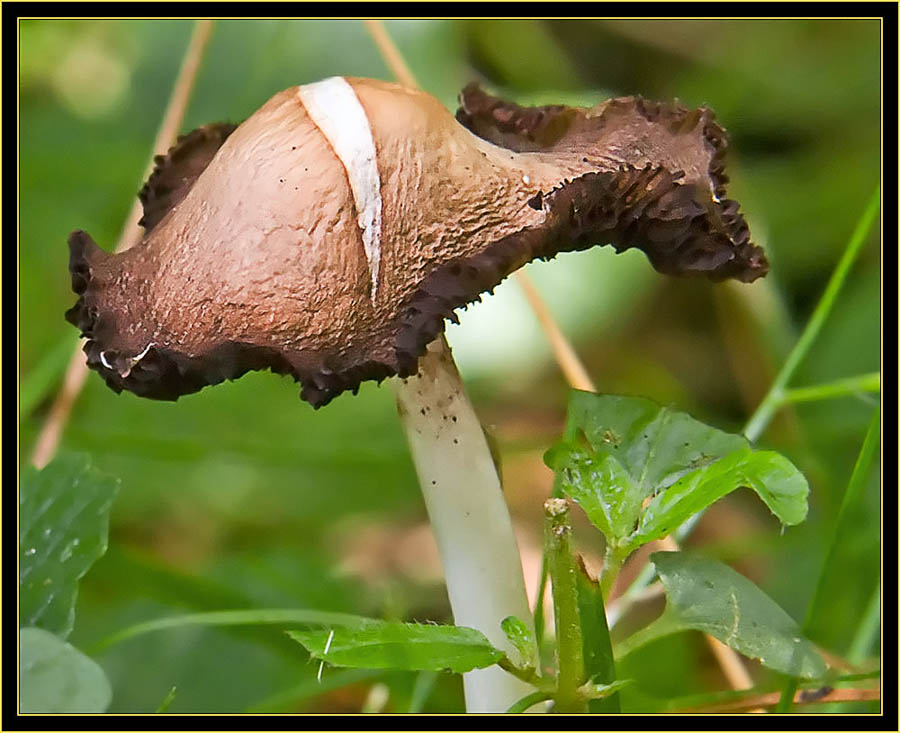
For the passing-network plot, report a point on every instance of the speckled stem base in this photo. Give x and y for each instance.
(468, 514)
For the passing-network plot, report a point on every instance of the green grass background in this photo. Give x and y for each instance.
(242, 496)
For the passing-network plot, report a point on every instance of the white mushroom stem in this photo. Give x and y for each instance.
(468, 515)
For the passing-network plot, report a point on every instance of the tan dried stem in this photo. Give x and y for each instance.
(76, 372)
(758, 703)
(391, 54)
(571, 366)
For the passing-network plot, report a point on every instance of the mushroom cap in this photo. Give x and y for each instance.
(331, 234)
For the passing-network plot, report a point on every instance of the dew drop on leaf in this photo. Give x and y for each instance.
(68, 550)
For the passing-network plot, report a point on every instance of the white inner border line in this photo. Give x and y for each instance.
(335, 109)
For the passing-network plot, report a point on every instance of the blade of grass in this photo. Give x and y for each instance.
(599, 665)
(242, 617)
(760, 419)
(861, 469)
(851, 496)
(167, 701)
(838, 388)
(866, 635)
(867, 630)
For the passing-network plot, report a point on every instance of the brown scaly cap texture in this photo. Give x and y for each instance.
(253, 258)
(175, 172)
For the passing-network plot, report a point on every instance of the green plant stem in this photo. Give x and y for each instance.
(563, 574)
(838, 388)
(851, 495)
(539, 620)
(569, 433)
(527, 674)
(613, 562)
(520, 706)
(767, 408)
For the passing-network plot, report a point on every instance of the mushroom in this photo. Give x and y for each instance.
(330, 235)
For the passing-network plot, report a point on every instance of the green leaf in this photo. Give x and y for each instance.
(394, 645)
(598, 692)
(598, 656)
(708, 596)
(63, 525)
(521, 637)
(54, 677)
(600, 485)
(654, 444)
(633, 449)
(781, 486)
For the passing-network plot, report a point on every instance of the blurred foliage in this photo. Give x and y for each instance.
(63, 526)
(54, 677)
(242, 496)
